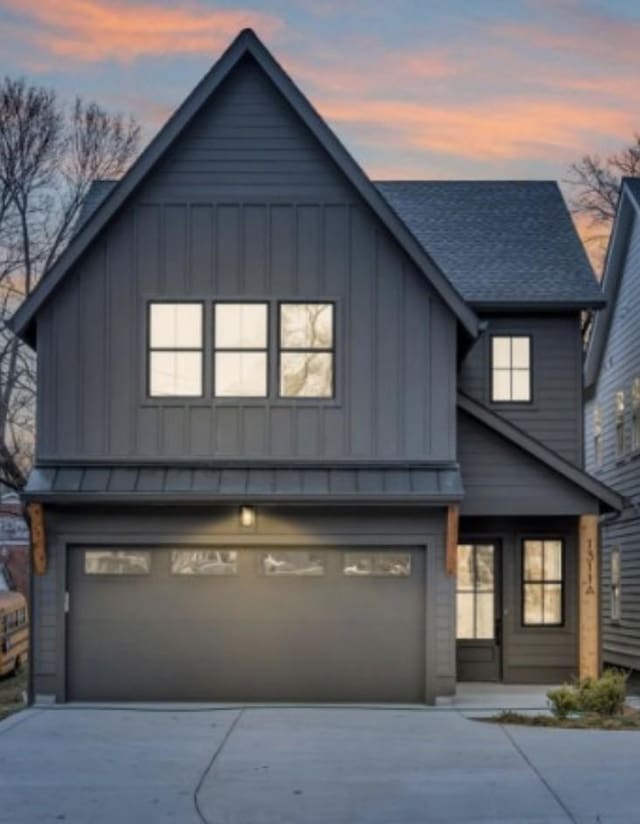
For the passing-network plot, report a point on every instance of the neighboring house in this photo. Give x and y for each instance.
(612, 429)
(14, 543)
(265, 384)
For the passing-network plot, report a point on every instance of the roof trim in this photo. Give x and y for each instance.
(612, 500)
(552, 307)
(246, 43)
(627, 210)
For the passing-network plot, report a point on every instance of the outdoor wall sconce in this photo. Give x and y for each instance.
(247, 516)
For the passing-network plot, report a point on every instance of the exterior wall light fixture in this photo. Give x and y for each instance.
(247, 516)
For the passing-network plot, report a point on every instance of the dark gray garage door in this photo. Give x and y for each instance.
(249, 624)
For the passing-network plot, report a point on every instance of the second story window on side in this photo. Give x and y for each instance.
(175, 350)
(306, 357)
(510, 369)
(635, 414)
(616, 585)
(240, 343)
(620, 439)
(597, 436)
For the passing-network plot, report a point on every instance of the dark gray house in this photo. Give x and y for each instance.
(280, 405)
(612, 429)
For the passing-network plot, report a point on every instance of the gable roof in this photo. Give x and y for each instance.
(610, 499)
(246, 44)
(626, 213)
(500, 242)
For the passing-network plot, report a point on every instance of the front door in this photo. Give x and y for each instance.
(478, 612)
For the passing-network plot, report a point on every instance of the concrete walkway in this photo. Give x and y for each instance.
(323, 765)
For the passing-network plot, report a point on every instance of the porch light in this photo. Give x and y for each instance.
(247, 516)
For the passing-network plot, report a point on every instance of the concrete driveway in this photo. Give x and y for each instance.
(307, 766)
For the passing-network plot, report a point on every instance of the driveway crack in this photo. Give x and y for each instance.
(209, 767)
(537, 772)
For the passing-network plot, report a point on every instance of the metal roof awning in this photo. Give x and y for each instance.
(131, 484)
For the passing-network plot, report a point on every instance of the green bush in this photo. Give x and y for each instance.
(563, 700)
(603, 696)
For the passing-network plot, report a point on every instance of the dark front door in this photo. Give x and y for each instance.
(478, 612)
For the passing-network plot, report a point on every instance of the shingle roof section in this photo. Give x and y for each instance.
(498, 241)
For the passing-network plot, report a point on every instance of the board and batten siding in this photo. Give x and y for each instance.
(620, 366)
(247, 206)
(554, 415)
(338, 529)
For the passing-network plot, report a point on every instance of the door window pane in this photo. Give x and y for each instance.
(543, 580)
(204, 562)
(297, 562)
(117, 562)
(476, 591)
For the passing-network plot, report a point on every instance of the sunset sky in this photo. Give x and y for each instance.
(415, 88)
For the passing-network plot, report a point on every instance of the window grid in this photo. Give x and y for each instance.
(176, 350)
(510, 371)
(541, 583)
(284, 350)
(620, 438)
(239, 350)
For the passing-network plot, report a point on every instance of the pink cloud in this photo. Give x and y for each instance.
(94, 30)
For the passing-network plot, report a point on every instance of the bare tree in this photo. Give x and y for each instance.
(49, 155)
(595, 185)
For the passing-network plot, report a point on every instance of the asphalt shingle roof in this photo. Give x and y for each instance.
(498, 241)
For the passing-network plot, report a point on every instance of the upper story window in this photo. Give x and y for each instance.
(175, 350)
(620, 439)
(635, 414)
(510, 369)
(306, 358)
(616, 585)
(597, 436)
(240, 342)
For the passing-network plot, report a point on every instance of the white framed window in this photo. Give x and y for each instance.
(620, 438)
(306, 357)
(635, 414)
(511, 369)
(616, 585)
(597, 436)
(241, 336)
(175, 350)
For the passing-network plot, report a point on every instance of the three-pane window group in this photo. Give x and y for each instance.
(240, 350)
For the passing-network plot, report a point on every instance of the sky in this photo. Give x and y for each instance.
(414, 88)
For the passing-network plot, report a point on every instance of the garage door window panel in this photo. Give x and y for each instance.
(117, 562)
(190, 562)
(295, 563)
(378, 564)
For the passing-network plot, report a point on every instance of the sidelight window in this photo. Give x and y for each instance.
(475, 595)
(510, 369)
(175, 350)
(306, 364)
(241, 342)
(542, 583)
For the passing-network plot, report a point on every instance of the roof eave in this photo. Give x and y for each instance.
(538, 305)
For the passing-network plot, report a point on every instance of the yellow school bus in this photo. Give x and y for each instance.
(14, 632)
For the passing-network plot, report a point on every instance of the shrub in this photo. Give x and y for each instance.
(603, 696)
(563, 700)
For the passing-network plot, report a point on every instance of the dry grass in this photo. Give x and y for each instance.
(12, 689)
(628, 720)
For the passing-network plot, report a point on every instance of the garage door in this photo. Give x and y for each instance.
(246, 624)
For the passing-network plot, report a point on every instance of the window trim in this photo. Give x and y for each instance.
(280, 350)
(214, 350)
(562, 582)
(615, 617)
(148, 350)
(510, 336)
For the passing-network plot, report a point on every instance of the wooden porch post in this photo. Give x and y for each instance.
(38, 542)
(451, 556)
(589, 598)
